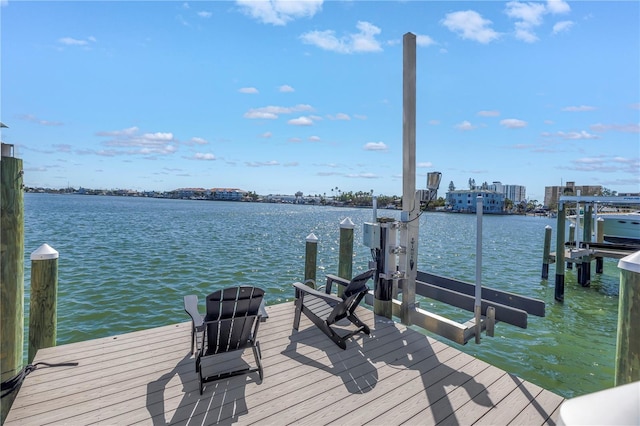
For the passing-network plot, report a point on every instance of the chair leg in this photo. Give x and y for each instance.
(257, 354)
(355, 320)
(193, 338)
(296, 317)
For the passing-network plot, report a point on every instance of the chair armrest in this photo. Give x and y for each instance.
(308, 290)
(191, 307)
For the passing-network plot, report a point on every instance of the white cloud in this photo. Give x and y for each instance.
(513, 123)
(32, 118)
(424, 165)
(489, 113)
(562, 26)
(285, 88)
(204, 14)
(558, 6)
(272, 112)
(70, 41)
(248, 90)
(465, 125)
(360, 116)
(363, 41)
(262, 163)
(266, 135)
(339, 116)
(301, 121)
(375, 146)
(530, 15)
(204, 156)
(424, 41)
(624, 128)
(314, 138)
(577, 135)
(128, 141)
(470, 25)
(198, 141)
(279, 12)
(295, 140)
(255, 114)
(362, 175)
(579, 108)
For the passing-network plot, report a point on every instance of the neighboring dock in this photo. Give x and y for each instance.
(394, 376)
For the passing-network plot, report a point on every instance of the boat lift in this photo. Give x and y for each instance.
(395, 244)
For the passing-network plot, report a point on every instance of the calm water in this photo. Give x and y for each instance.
(125, 264)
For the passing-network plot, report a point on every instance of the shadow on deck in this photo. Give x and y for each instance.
(394, 376)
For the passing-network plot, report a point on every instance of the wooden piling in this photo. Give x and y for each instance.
(560, 228)
(628, 341)
(11, 270)
(584, 266)
(600, 240)
(572, 238)
(43, 304)
(310, 260)
(546, 252)
(345, 258)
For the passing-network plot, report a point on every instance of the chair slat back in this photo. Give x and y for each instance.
(352, 295)
(358, 284)
(233, 312)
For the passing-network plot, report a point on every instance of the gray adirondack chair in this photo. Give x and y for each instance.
(325, 309)
(231, 324)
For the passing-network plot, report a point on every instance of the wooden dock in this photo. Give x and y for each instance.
(394, 376)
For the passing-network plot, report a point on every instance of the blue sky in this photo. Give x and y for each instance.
(285, 96)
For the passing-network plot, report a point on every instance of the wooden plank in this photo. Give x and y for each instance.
(539, 411)
(480, 404)
(510, 407)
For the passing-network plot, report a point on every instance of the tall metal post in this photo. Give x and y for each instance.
(410, 225)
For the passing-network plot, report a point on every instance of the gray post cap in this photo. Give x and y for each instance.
(630, 263)
(311, 238)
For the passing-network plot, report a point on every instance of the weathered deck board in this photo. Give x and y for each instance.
(394, 376)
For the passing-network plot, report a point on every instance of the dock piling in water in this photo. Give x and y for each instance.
(546, 252)
(628, 339)
(43, 304)
(345, 259)
(572, 238)
(11, 270)
(559, 288)
(310, 260)
(600, 240)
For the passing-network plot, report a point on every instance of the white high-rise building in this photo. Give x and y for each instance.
(515, 193)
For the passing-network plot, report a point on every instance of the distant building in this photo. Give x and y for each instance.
(464, 201)
(228, 194)
(552, 193)
(515, 193)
